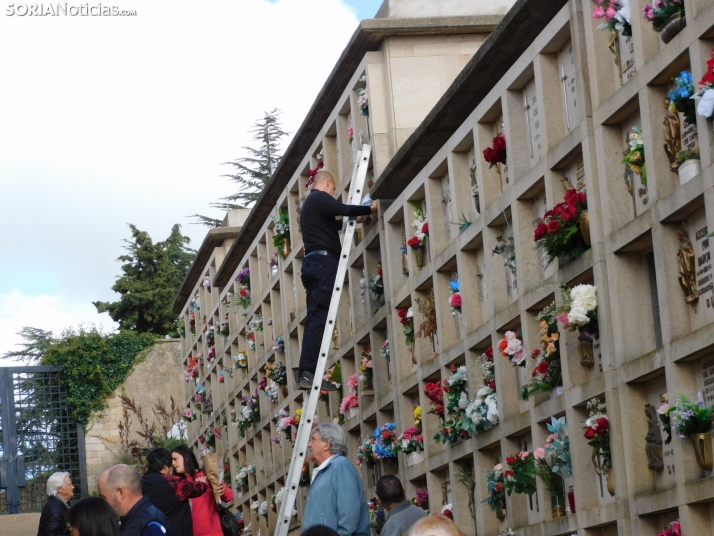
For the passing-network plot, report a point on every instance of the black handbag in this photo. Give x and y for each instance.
(229, 525)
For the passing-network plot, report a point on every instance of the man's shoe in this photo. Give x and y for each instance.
(306, 380)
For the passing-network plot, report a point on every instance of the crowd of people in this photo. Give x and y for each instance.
(174, 498)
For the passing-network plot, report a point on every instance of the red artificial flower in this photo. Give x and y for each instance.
(553, 226)
(542, 368)
(243, 292)
(499, 487)
(489, 353)
(492, 384)
(447, 513)
(548, 214)
(540, 231)
(425, 228)
(313, 172)
(708, 78)
(589, 433)
(569, 212)
(558, 209)
(379, 272)
(536, 353)
(202, 440)
(414, 241)
(510, 460)
(490, 155)
(571, 196)
(453, 368)
(499, 143)
(439, 409)
(402, 312)
(509, 474)
(456, 300)
(385, 434)
(602, 425)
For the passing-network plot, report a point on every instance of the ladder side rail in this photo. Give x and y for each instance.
(310, 409)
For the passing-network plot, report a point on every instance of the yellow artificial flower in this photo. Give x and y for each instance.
(417, 416)
(550, 349)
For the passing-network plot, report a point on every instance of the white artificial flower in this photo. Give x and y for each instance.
(514, 346)
(410, 312)
(463, 401)
(705, 108)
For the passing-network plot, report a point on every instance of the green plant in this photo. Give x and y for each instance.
(683, 156)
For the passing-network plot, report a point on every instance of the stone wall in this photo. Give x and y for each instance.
(159, 376)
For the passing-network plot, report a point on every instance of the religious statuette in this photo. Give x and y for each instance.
(687, 273)
(654, 440)
(672, 135)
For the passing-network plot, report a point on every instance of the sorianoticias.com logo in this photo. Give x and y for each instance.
(66, 10)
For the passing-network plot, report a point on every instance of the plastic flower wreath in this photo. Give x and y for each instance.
(661, 10)
(512, 348)
(680, 98)
(421, 225)
(635, 158)
(406, 318)
(616, 14)
(455, 299)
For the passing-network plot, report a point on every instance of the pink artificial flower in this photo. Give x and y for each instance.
(598, 13)
(551, 438)
(455, 300)
(563, 319)
(610, 13)
(524, 454)
(649, 13)
(539, 453)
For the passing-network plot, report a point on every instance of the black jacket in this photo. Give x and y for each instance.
(137, 519)
(170, 494)
(53, 521)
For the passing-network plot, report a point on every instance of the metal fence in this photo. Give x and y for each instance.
(38, 437)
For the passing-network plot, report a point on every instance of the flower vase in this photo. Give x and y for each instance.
(571, 500)
(557, 505)
(585, 349)
(352, 412)
(671, 27)
(274, 270)
(414, 458)
(611, 482)
(285, 250)
(500, 513)
(585, 226)
(368, 384)
(284, 390)
(703, 449)
(556, 392)
(688, 170)
(419, 255)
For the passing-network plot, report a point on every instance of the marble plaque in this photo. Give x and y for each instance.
(627, 58)
(573, 109)
(704, 379)
(511, 277)
(531, 108)
(575, 173)
(703, 311)
(689, 135)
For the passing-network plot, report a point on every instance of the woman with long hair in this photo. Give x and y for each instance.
(93, 517)
(203, 509)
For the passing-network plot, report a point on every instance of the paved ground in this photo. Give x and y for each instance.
(19, 524)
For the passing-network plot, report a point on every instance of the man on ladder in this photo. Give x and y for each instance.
(322, 251)
(323, 273)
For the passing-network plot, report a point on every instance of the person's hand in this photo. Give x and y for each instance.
(221, 488)
(201, 479)
(360, 219)
(373, 207)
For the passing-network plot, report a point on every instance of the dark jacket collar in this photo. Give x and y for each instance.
(140, 505)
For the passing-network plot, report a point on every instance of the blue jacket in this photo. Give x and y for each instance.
(336, 499)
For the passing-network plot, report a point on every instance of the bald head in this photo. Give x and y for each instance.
(120, 485)
(325, 182)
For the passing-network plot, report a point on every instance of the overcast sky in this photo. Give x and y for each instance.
(106, 121)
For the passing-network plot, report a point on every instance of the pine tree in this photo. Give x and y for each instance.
(152, 276)
(253, 172)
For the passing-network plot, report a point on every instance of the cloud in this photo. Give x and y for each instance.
(115, 120)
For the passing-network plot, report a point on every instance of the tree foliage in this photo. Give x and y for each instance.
(152, 275)
(34, 349)
(254, 171)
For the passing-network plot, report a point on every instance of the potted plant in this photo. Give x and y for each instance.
(689, 165)
(693, 420)
(667, 18)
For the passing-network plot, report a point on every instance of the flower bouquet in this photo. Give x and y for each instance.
(243, 279)
(376, 287)
(281, 233)
(519, 477)
(411, 440)
(384, 351)
(617, 16)
(661, 11)
(559, 233)
(377, 516)
(496, 499)
(210, 337)
(240, 360)
(311, 175)
(546, 373)
(279, 346)
(680, 98)
(277, 372)
(422, 499)
(673, 529)
(418, 241)
(243, 472)
(634, 160)
(273, 263)
(447, 511)
(365, 368)
(435, 394)
(705, 108)
(406, 318)
(365, 452)
(207, 283)
(496, 154)
(553, 462)
(362, 101)
(456, 425)
(225, 328)
(263, 510)
(455, 298)
(506, 248)
(192, 370)
(211, 357)
(386, 441)
(691, 418)
(597, 432)
(249, 414)
(512, 348)
(351, 400)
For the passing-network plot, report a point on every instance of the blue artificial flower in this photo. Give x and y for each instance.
(683, 92)
(672, 96)
(390, 426)
(403, 249)
(686, 77)
(454, 285)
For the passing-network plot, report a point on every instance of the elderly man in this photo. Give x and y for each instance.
(402, 514)
(336, 498)
(53, 520)
(120, 486)
(319, 268)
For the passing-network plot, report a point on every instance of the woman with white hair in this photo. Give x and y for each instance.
(53, 521)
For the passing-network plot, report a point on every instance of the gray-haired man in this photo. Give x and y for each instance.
(336, 498)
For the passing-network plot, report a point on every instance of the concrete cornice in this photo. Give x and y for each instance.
(368, 37)
(214, 238)
(513, 35)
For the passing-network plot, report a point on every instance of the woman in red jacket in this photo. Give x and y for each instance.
(203, 509)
